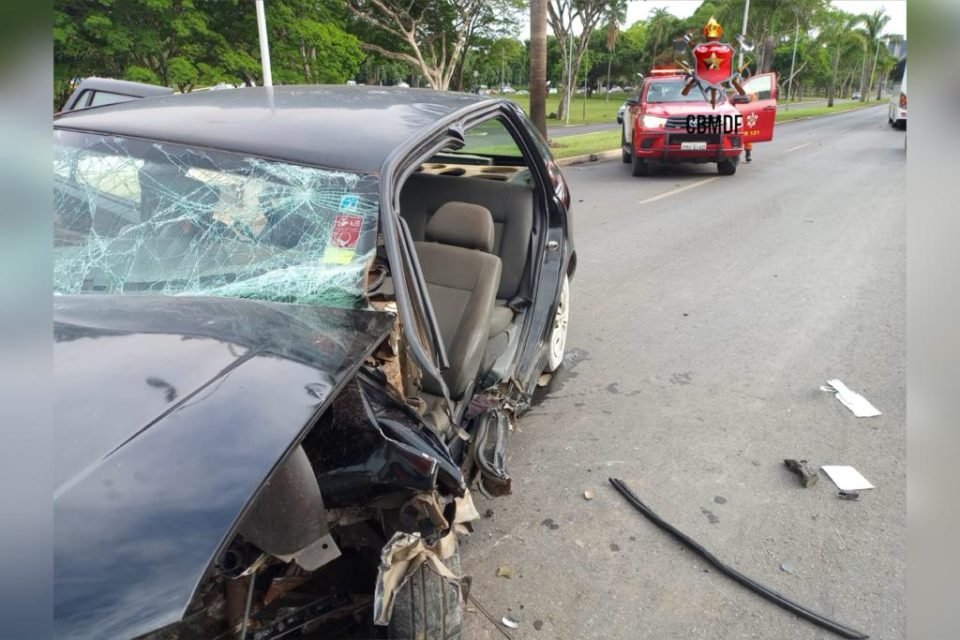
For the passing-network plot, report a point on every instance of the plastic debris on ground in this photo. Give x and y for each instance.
(852, 400)
(509, 622)
(846, 478)
(504, 572)
(588, 495)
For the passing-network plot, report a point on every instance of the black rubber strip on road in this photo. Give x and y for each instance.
(756, 587)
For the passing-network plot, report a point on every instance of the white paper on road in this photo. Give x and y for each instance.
(852, 400)
(846, 478)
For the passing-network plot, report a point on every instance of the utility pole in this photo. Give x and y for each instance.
(793, 61)
(264, 45)
(743, 30)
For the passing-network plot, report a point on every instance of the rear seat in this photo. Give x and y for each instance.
(511, 206)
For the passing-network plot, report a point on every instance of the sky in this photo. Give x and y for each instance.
(640, 9)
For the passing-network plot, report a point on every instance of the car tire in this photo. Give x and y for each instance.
(428, 606)
(727, 167)
(624, 154)
(557, 346)
(639, 167)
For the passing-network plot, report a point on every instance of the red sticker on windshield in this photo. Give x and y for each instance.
(346, 232)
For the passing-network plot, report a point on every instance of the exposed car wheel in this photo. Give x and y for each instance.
(428, 606)
(625, 155)
(727, 167)
(558, 335)
(640, 167)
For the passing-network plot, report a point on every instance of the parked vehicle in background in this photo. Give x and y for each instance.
(98, 92)
(656, 128)
(292, 327)
(897, 107)
(620, 113)
(855, 96)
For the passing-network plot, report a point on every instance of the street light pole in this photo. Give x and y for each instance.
(264, 45)
(743, 30)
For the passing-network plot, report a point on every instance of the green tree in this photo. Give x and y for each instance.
(873, 25)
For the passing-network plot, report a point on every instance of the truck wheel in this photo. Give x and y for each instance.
(625, 155)
(727, 167)
(639, 167)
(428, 606)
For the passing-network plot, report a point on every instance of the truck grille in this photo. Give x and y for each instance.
(677, 122)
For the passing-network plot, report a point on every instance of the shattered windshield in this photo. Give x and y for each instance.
(135, 216)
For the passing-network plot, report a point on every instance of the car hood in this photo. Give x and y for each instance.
(171, 412)
(690, 108)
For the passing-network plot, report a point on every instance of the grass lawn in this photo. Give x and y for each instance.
(568, 146)
(599, 110)
(576, 145)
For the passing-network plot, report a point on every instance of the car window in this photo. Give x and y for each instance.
(490, 138)
(134, 216)
(759, 87)
(662, 91)
(101, 98)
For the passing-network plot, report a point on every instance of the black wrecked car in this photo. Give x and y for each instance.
(293, 327)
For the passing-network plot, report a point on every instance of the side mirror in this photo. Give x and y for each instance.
(739, 99)
(633, 101)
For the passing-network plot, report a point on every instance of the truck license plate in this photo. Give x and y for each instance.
(693, 146)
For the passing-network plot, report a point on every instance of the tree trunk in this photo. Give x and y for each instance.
(864, 89)
(538, 65)
(831, 91)
(769, 48)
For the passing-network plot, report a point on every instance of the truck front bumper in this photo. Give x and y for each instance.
(668, 147)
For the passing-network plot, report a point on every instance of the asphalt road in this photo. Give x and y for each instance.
(706, 313)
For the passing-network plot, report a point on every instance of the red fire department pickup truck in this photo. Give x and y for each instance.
(662, 125)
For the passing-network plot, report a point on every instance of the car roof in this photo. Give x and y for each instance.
(124, 87)
(353, 128)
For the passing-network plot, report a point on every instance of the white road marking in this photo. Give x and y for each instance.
(799, 146)
(667, 194)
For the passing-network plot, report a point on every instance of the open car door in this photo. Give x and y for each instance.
(759, 114)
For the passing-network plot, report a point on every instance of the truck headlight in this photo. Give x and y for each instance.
(654, 122)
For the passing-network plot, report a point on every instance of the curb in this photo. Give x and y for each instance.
(589, 157)
(615, 153)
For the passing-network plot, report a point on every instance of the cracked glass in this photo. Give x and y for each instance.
(141, 217)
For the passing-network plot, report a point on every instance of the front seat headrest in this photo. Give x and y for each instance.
(463, 225)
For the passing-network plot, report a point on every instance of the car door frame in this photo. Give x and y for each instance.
(764, 109)
(546, 277)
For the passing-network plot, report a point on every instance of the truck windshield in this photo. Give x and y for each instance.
(142, 217)
(672, 91)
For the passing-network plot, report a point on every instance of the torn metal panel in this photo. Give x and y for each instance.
(401, 557)
(488, 452)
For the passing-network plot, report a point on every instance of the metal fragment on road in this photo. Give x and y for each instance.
(852, 400)
(509, 622)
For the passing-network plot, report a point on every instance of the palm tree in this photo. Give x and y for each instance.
(616, 13)
(538, 65)
(873, 24)
(659, 26)
(838, 30)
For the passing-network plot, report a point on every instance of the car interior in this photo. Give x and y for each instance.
(471, 216)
